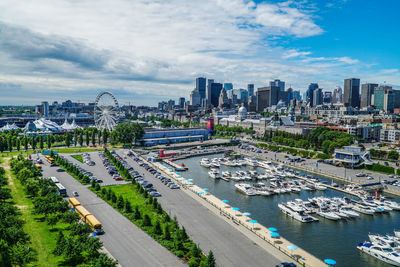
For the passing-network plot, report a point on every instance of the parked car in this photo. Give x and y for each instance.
(60, 170)
(75, 194)
(286, 264)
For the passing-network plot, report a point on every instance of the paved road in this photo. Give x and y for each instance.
(123, 239)
(230, 247)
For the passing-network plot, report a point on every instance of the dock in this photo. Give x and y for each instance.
(176, 166)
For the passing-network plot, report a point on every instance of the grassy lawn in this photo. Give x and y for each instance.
(78, 157)
(42, 236)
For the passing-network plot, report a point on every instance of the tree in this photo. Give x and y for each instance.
(113, 197)
(128, 133)
(18, 144)
(167, 233)
(52, 220)
(68, 139)
(75, 138)
(32, 187)
(157, 228)
(49, 141)
(210, 262)
(9, 143)
(105, 136)
(128, 208)
(93, 137)
(60, 244)
(137, 215)
(26, 143)
(70, 217)
(97, 187)
(33, 143)
(99, 137)
(195, 251)
(81, 138)
(393, 155)
(146, 220)
(120, 202)
(41, 144)
(87, 139)
(103, 261)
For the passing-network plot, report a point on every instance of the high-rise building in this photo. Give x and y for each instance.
(337, 95)
(310, 93)
(296, 95)
(317, 97)
(201, 86)
(45, 105)
(351, 97)
(289, 95)
(385, 98)
(208, 91)
(367, 90)
(223, 101)
(195, 98)
(181, 102)
(250, 89)
(171, 104)
(215, 91)
(266, 97)
(228, 86)
(278, 83)
(327, 97)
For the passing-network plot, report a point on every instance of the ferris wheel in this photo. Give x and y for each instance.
(106, 111)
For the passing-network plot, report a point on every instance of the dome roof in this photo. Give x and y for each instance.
(242, 110)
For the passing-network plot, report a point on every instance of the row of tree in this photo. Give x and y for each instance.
(150, 216)
(230, 131)
(15, 247)
(70, 168)
(383, 154)
(74, 244)
(126, 133)
(320, 138)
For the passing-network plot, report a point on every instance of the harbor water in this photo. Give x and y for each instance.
(325, 239)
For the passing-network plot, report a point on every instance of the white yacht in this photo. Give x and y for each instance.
(226, 174)
(363, 209)
(397, 233)
(328, 214)
(295, 212)
(381, 252)
(245, 188)
(349, 212)
(320, 186)
(205, 162)
(213, 173)
(251, 162)
(392, 204)
(392, 241)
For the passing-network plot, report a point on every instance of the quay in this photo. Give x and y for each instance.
(241, 221)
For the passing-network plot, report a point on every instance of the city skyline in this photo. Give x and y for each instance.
(70, 50)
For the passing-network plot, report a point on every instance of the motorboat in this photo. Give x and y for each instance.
(349, 212)
(295, 212)
(392, 204)
(251, 162)
(226, 174)
(397, 233)
(328, 214)
(388, 240)
(205, 162)
(245, 188)
(363, 209)
(320, 186)
(381, 252)
(213, 173)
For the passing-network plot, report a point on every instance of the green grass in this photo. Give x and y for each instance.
(76, 149)
(42, 236)
(78, 157)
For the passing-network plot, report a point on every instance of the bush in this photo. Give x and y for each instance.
(323, 156)
(380, 168)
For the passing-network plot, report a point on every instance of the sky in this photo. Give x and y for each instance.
(145, 51)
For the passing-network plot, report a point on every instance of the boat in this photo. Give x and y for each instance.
(328, 214)
(392, 204)
(226, 174)
(205, 162)
(295, 212)
(388, 240)
(251, 162)
(397, 233)
(381, 252)
(213, 173)
(320, 186)
(245, 188)
(349, 212)
(363, 209)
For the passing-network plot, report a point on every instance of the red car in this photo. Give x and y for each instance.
(118, 179)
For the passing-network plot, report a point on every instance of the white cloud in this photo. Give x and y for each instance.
(156, 47)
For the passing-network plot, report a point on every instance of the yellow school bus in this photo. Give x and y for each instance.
(88, 218)
(73, 202)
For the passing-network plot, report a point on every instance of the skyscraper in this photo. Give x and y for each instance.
(250, 89)
(351, 97)
(367, 90)
(228, 86)
(266, 97)
(195, 98)
(215, 91)
(317, 97)
(45, 105)
(181, 102)
(278, 83)
(208, 91)
(201, 86)
(296, 95)
(223, 101)
(310, 93)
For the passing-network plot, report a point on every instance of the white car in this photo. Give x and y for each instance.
(75, 194)
(370, 178)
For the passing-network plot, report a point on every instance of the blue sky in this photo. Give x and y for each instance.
(145, 51)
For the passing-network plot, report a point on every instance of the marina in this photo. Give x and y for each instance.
(340, 237)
